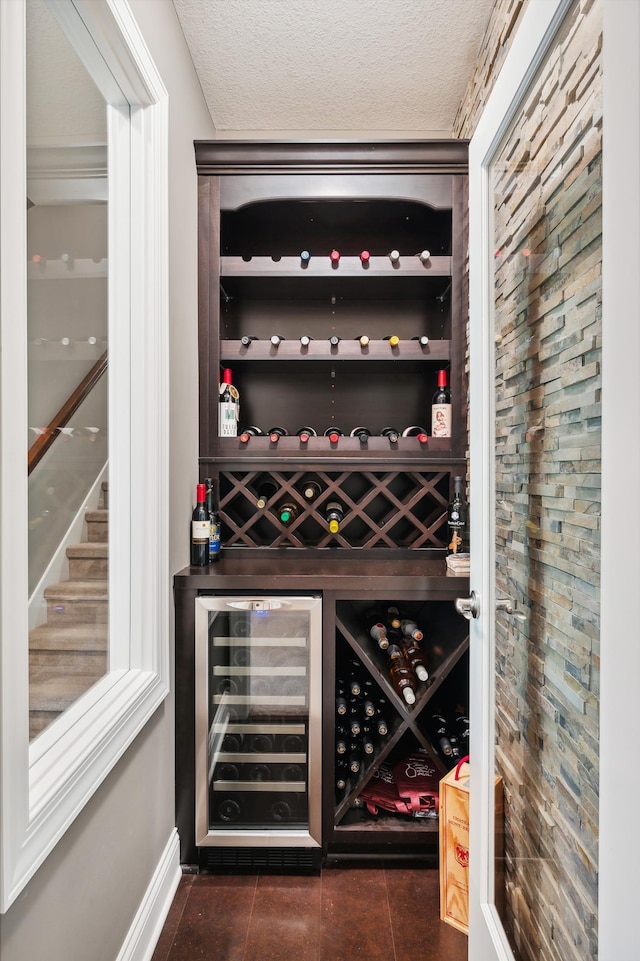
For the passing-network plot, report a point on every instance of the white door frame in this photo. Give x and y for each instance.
(620, 651)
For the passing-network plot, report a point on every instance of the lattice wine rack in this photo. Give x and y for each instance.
(382, 509)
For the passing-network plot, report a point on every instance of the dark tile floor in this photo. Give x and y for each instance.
(386, 911)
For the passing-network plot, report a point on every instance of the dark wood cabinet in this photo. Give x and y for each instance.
(260, 206)
(347, 586)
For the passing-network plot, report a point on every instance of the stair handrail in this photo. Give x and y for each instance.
(43, 442)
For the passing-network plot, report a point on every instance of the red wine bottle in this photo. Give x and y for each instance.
(228, 406)
(441, 408)
(200, 528)
(334, 514)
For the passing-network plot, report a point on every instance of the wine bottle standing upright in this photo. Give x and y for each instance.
(457, 519)
(441, 408)
(214, 522)
(200, 528)
(228, 406)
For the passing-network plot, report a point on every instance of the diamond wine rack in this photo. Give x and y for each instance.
(382, 509)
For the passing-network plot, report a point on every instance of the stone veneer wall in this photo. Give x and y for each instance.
(548, 308)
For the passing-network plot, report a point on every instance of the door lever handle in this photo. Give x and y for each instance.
(508, 606)
(468, 607)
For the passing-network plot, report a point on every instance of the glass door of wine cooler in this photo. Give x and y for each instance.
(258, 720)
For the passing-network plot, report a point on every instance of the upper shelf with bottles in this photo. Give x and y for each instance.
(343, 258)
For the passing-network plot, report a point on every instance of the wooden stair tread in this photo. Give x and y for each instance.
(75, 637)
(97, 549)
(78, 590)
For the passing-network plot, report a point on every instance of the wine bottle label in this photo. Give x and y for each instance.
(214, 540)
(228, 420)
(200, 531)
(441, 420)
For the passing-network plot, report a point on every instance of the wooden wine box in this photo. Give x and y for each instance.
(454, 846)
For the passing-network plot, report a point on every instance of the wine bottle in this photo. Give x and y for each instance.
(410, 629)
(305, 434)
(200, 529)
(441, 408)
(368, 708)
(261, 743)
(425, 256)
(354, 726)
(422, 339)
(259, 772)
(305, 340)
(362, 433)
(401, 674)
(267, 489)
(393, 339)
(342, 774)
(287, 512)
(292, 744)
(334, 340)
(440, 733)
(415, 658)
(228, 809)
(416, 431)
(461, 727)
(214, 522)
(228, 406)
(334, 257)
(375, 628)
(333, 433)
(246, 340)
(354, 758)
(283, 808)
(305, 257)
(341, 740)
(393, 617)
(292, 772)
(394, 257)
(354, 668)
(310, 488)
(391, 433)
(363, 340)
(365, 258)
(275, 433)
(276, 340)
(232, 743)
(381, 724)
(341, 705)
(367, 741)
(333, 514)
(248, 433)
(456, 519)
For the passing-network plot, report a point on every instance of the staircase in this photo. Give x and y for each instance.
(68, 654)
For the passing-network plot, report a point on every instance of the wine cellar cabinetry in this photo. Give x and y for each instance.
(352, 257)
(319, 246)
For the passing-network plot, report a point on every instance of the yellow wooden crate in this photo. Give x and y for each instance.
(454, 846)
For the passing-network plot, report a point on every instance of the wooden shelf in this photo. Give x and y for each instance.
(347, 350)
(347, 267)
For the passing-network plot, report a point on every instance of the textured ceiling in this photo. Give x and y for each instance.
(376, 67)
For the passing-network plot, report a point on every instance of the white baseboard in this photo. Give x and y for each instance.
(145, 931)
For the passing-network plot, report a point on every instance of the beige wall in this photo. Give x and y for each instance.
(81, 903)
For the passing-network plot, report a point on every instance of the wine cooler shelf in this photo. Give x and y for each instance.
(328, 509)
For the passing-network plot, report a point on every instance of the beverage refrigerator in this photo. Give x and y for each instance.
(258, 669)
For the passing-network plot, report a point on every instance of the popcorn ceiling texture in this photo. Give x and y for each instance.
(548, 301)
(287, 65)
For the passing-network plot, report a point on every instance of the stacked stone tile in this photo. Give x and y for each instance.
(548, 349)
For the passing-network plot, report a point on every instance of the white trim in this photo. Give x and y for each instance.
(44, 786)
(145, 931)
(540, 22)
(619, 847)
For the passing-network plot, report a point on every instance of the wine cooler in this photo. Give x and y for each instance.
(258, 721)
